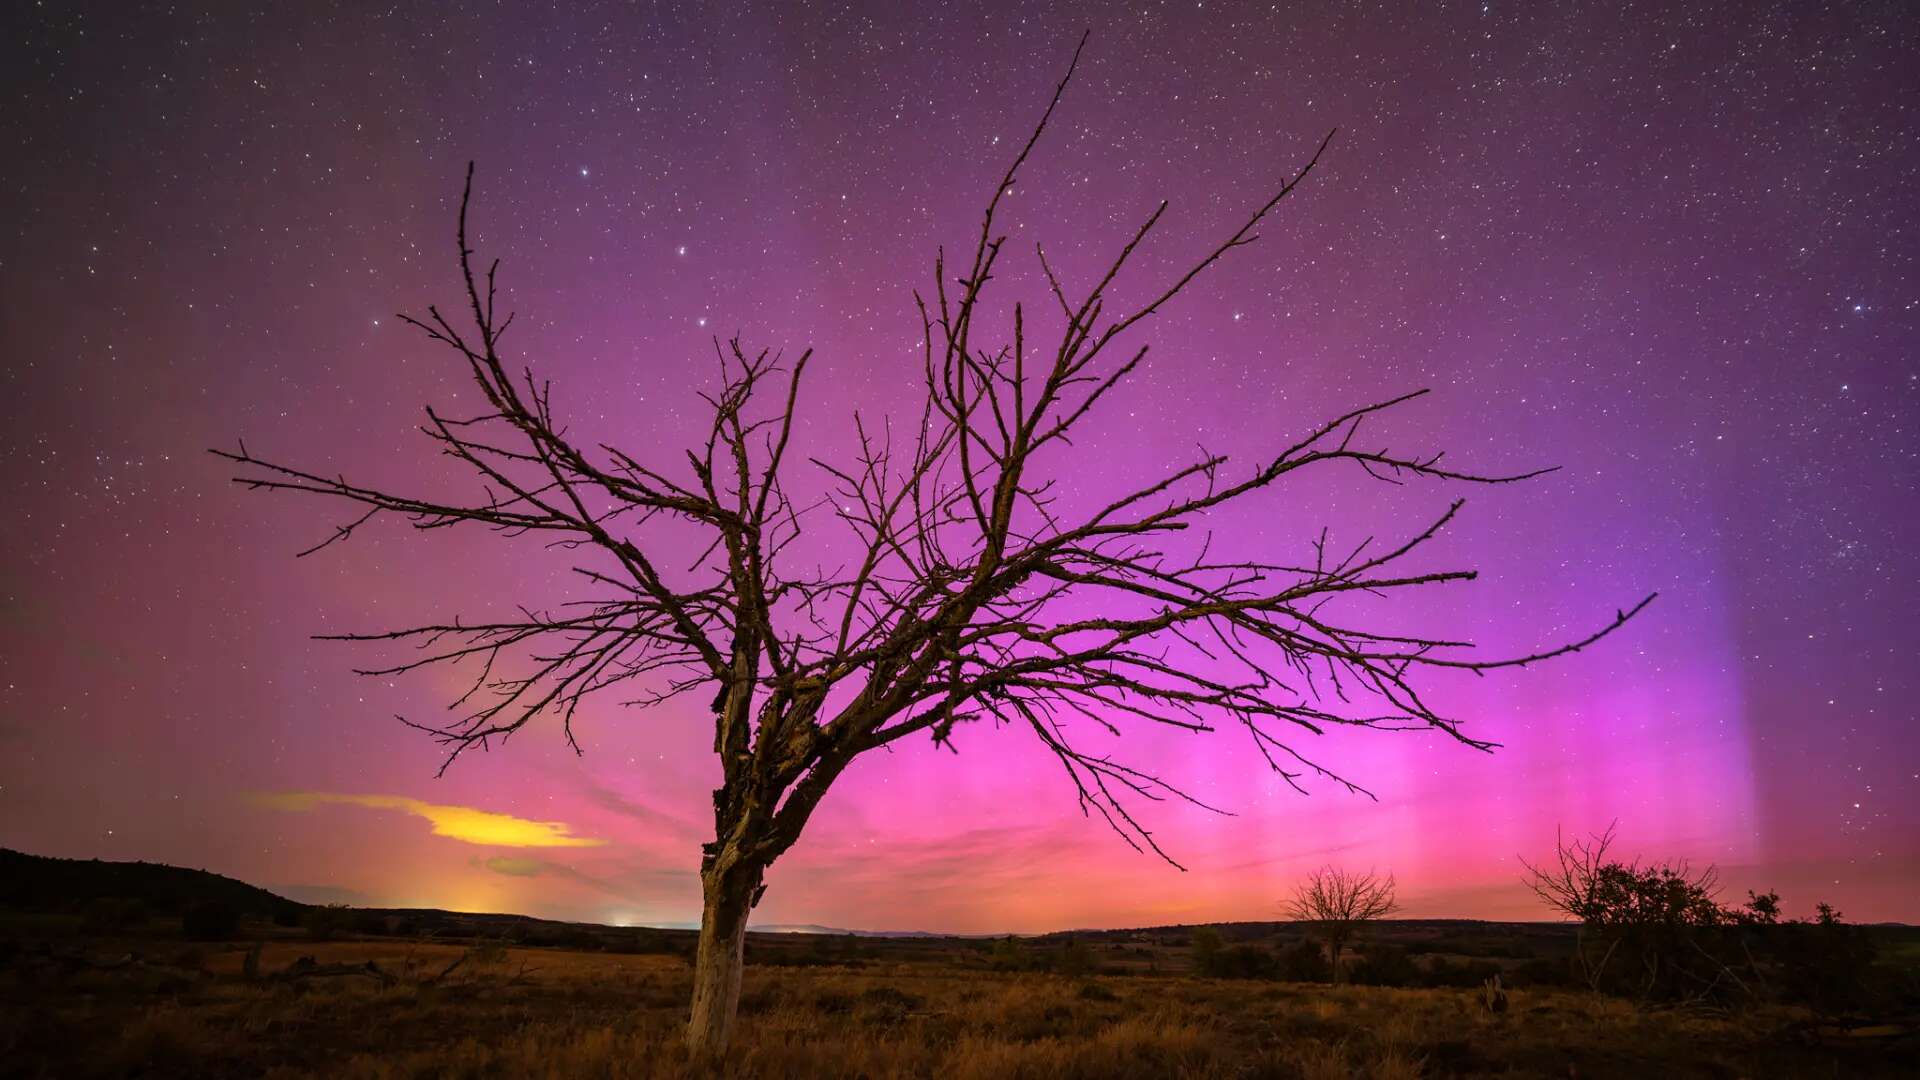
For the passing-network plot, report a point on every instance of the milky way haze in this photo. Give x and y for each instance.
(1672, 254)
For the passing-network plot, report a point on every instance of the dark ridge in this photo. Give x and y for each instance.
(42, 883)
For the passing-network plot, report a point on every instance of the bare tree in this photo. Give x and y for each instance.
(1580, 884)
(1573, 883)
(1339, 903)
(947, 609)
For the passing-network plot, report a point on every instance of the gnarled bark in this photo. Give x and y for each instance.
(729, 893)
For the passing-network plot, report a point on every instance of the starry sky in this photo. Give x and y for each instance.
(1668, 248)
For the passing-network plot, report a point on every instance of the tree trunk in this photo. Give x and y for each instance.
(729, 896)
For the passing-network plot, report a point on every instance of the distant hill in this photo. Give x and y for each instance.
(40, 883)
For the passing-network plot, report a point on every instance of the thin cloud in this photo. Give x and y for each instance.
(500, 864)
(463, 823)
(660, 821)
(632, 883)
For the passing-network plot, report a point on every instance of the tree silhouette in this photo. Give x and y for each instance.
(1657, 931)
(1649, 915)
(1338, 903)
(949, 608)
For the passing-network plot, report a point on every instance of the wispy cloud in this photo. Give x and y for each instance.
(658, 822)
(634, 883)
(463, 823)
(501, 864)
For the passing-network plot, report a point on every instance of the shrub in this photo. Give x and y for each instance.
(566, 936)
(1215, 959)
(1656, 932)
(371, 923)
(1304, 962)
(1467, 973)
(1010, 954)
(887, 1005)
(1073, 957)
(112, 914)
(1385, 965)
(819, 950)
(1206, 944)
(1825, 964)
(1543, 971)
(326, 923)
(210, 920)
(488, 952)
(1240, 962)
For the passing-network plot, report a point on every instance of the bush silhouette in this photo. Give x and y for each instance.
(1656, 932)
(328, 922)
(1303, 961)
(112, 914)
(210, 920)
(1386, 965)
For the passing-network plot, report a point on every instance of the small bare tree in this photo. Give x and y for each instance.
(948, 607)
(1587, 887)
(1339, 903)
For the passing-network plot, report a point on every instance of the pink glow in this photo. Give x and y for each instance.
(227, 262)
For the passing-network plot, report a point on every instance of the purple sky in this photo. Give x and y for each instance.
(1672, 253)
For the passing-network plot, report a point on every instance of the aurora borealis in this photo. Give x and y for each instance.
(1671, 252)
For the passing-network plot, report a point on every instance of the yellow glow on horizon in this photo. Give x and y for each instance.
(464, 823)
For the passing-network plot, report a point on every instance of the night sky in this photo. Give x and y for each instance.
(1672, 252)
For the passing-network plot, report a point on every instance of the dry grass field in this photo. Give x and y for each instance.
(194, 1010)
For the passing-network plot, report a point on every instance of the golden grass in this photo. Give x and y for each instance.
(546, 1013)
